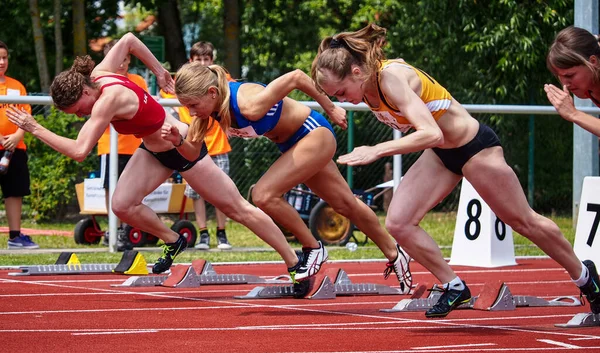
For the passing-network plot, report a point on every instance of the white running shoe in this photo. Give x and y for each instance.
(311, 264)
(400, 266)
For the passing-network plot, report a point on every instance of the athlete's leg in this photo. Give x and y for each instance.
(217, 188)
(329, 184)
(307, 157)
(127, 199)
(425, 184)
(506, 198)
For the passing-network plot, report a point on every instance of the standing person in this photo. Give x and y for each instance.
(218, 148)
(307, 144)
(574, 57)
(127, 144)
(109, 98)
(15, 182)
(352, 67)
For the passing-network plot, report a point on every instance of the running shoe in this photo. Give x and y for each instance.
(400, 266)
(591, 288)
(311, 264)
(450, 299)
(22, 242)
(170, 251)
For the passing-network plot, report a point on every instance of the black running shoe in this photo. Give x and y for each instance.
(293, 271)
(170, 251)
(591, 288)
(450, 299)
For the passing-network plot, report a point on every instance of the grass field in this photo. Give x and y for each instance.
(439, 225)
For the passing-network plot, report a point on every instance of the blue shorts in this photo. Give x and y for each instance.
(313, 121)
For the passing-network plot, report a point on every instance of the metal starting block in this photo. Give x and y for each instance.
(200, 273)
(325, 285)
(582, 320)
(132, 263)
(495, 296)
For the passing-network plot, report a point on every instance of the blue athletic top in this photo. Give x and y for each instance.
(242, 127)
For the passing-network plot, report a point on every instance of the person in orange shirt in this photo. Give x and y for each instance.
(127, 144)
(218, 149)
(15, 181)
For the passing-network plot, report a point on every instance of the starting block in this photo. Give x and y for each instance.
(582, 320)
(495, 296)
(132, 263)
(325, 285)
(200, 273)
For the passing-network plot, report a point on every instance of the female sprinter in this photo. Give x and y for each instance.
(352, 67)
(307, 144)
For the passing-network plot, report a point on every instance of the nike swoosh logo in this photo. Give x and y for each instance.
(451, 303)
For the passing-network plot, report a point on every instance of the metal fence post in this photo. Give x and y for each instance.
(349, 177)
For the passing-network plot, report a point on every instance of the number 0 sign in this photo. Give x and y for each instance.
(480, 238)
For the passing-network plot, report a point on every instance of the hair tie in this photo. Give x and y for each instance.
(335, 43)
(213, 71)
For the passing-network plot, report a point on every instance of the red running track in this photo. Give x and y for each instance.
(84, 313)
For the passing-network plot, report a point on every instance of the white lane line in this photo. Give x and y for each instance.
(113, 332)
(560, 344)
(457, 346)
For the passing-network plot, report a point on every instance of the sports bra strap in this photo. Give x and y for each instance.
(118, 77)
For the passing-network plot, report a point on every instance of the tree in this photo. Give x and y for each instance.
(58, 46)
(79, 36)
(40, 48)
(231, 19)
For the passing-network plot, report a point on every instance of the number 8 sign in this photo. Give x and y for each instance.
(587, 240)
(480, 238)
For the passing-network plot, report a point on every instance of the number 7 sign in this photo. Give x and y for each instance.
(587, 240)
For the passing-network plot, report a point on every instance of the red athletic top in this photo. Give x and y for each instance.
(149, 117)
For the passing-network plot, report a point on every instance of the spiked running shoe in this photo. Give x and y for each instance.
(450, 299)
(591, 288)
(400, 267)
(311, 264)
(170, 251)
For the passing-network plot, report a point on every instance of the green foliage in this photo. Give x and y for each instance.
(53, 175)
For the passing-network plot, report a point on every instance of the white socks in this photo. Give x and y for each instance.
(585, 275)
(456, 284)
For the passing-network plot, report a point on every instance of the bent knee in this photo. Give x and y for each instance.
(399, 229)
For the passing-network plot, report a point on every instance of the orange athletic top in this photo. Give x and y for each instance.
(436, 98)
(11, 87)
(127, 143)
(215, 139)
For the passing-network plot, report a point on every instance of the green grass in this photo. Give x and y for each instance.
(439, 225)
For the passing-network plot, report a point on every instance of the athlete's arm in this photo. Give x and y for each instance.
(189, 150)
(282, 86)
(130, 44)
(396, 88)
(563, 103)
(87, 138)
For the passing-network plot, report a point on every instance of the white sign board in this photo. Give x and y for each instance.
(94, 197)
(587, 236)
(480, 238)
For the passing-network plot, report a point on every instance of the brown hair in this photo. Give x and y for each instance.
(193, 81)
(572, 47)
(201, 49)
(67, 86)
(339, 52)
(3, 45)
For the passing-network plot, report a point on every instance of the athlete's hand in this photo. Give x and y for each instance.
(170, 133)
(359, 156)
(21, 118)
(561, 100)
(165, 81)
(338, 116)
